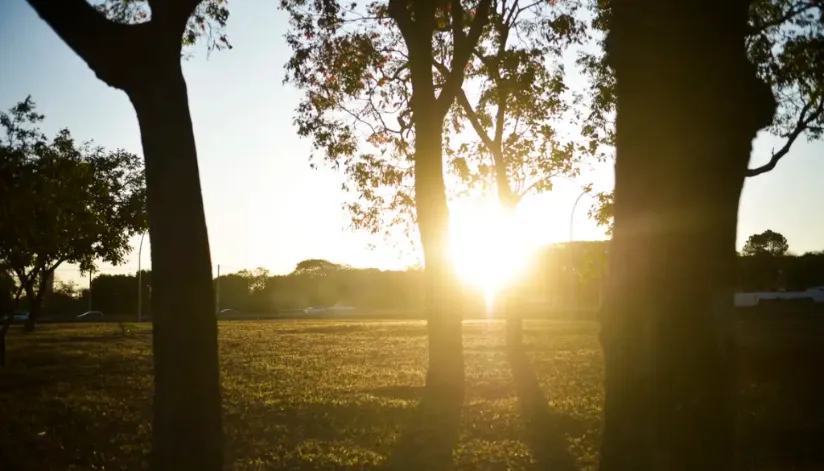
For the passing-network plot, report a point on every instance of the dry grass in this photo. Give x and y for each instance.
(312, 395)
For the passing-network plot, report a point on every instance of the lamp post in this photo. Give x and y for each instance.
(571, 270)
(90, 289)
(140, 280)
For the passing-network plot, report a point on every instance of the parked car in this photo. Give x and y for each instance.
(17, 316)
(90, 315)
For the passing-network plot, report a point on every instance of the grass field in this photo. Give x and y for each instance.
(313, 395)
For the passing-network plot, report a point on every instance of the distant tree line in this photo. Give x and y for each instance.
(562, 276)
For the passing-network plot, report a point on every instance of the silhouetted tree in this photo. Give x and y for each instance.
(375, 61)
(316, 267)
(689, 104)
(67, 203)
(136, 46)
(518, 69)
(784, 39)
(766, 243)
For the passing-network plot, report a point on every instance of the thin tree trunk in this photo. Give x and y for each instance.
(187, 413)
(4, 330)
(35, 303)
(689, 105)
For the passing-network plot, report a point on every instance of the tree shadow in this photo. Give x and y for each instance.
(429, 437)
(543, 427)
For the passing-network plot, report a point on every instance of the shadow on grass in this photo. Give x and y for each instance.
(429, 437)
(544, 428)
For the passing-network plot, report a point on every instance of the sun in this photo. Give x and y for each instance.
(490, 246)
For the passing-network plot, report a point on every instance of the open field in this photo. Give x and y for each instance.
(325, 395)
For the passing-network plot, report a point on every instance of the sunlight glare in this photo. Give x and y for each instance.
(490, 246)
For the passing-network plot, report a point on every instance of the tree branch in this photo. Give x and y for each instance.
(104, 45)
(801, 126)
(463, 45)
(399, 13)
(502, 91)
(791, 13)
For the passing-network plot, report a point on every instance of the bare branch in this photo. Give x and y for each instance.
(802, 125)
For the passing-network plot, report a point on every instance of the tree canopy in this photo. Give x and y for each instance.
(515, 98)
(353, 64)
(766, 243)
(315, 266)
(63, 201)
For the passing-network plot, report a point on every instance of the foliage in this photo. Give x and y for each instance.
(767, 243)
(603, 209)
(517, 100)
(785, 41)
(352, 63)
(62, 201)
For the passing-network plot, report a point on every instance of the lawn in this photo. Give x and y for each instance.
(313, 395)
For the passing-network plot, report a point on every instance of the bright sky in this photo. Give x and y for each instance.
(264, 205)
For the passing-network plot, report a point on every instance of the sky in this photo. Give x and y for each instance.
(264, 206)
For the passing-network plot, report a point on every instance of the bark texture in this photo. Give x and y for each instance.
(689, 105)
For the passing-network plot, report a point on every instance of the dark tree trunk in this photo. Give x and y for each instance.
(35, 300)
(187, 414)
(144, 61)
(35, 304)
(689, 105)
(4, 330)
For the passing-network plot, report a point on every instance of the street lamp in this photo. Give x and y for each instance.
(140, 280)
(571, 270)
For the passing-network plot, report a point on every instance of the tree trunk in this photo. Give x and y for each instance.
(35, 305)
(689, 105)
(187, 412)
(4, 330)
(445, 377)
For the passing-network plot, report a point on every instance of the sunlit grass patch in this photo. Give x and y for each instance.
(314, 395)
(296, 394)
